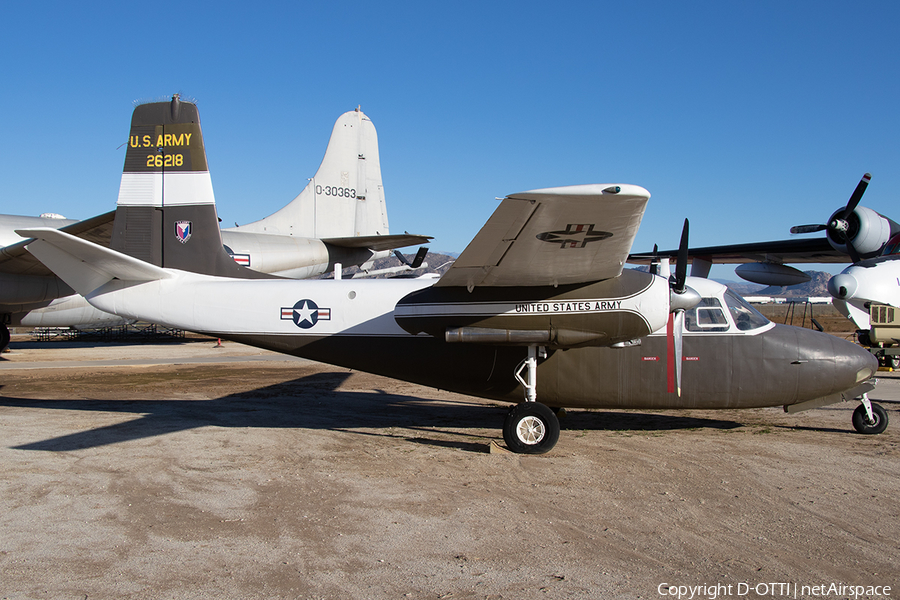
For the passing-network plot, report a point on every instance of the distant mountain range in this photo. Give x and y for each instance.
(816, 287)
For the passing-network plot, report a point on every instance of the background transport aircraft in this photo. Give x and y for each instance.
(340, 217)
(853, 233)
(538, 299)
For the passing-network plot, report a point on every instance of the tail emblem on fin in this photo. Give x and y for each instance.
(183, 231)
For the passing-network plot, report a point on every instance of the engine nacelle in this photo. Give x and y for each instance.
(868, 231)
(603, 313)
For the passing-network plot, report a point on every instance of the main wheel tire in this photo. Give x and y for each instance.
(861, 420)
(5, 337)
(530, 428)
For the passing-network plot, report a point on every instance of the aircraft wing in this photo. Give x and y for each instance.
(553, 236)
(810, 250)
(16, 260)
(378, 243)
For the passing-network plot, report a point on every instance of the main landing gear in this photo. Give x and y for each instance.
(530, 427)
(869, 418)
(5, 337)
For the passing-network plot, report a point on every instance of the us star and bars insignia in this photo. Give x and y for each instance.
(305, 314)
(183, 231)
(574, 236)
(241, 259)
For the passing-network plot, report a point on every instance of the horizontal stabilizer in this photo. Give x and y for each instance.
(378, 243)
(16, 260)
(85, 266)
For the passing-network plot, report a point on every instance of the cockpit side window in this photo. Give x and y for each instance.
(708, 315)
(745, 316)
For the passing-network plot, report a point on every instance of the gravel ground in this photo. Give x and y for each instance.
(182, 470)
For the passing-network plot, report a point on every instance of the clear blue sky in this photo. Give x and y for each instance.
(746, 117)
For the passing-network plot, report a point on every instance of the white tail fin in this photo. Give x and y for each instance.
(346, 196)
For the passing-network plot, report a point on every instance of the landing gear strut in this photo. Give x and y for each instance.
(530, 427)
(869, 418)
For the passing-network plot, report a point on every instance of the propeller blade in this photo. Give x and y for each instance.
(808, 228)
(857, 195)
(681, 267)
(654, 262)
(851, 249)
(420, 257)
(678, 331)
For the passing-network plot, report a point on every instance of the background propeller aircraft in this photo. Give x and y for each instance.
(538, 300)
(340, 218)
(853, 233)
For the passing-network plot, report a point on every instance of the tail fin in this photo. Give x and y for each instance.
(346, 196)
(166, 213)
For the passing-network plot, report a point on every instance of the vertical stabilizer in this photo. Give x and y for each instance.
(166, 213)
(346, 196)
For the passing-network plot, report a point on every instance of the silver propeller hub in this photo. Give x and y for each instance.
(685, 300)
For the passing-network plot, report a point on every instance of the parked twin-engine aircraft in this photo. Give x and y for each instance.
(339, 218)
(538, 301)
(853, 233)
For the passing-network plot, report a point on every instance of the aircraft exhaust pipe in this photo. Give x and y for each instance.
(482, 335)
(561, 338)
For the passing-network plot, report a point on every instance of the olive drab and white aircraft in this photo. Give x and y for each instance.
(537, 311)
(853, 233)
(340, 217)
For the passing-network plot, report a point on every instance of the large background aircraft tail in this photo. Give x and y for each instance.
(345, 198)
(166, 212)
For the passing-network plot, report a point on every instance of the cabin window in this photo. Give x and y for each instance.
(708, 315)
(745, 316)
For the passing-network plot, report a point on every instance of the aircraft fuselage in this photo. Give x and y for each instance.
(354, 324)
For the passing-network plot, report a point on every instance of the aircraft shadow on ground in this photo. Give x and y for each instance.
(316, 402)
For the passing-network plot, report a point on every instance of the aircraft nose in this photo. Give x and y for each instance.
(830, 365)
(843, 286)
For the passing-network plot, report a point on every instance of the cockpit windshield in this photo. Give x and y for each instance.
(745, 316)
(710, 316)
(892, 247)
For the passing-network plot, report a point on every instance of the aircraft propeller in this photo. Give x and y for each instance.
(840, 226)
(654, 262)
(681, 298)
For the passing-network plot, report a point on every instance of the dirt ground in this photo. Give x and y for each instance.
(189, 471)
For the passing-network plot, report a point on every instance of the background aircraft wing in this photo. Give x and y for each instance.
(378, 243)
(15, 259)
(810, 250)
(553, 236)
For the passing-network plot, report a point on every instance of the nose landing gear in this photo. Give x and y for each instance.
(869, 418)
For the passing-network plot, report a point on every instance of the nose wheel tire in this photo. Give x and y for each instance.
(861, 421)
(530, 428)
(4, 337)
